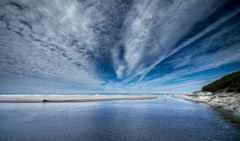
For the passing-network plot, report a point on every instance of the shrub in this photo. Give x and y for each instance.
(232, 81)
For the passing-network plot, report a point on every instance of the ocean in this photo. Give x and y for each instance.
(75, 94)
(165, 118)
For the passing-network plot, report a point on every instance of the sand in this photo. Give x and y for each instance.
(229, 102)
(39, 99)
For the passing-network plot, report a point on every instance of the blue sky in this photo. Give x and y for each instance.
(117, 46)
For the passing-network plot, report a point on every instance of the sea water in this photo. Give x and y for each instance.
(76, 94)
(164, 118)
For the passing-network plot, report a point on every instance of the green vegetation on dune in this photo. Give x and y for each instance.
(231, 81)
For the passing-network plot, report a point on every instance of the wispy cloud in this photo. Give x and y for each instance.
(197, 59)
(124, 45)
(48, 40)
(153, 30)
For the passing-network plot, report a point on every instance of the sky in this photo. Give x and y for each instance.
(117, 46)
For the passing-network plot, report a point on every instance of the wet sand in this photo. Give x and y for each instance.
(226, 101)
(39, 99)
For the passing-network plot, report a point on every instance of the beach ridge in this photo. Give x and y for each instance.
(52, 99)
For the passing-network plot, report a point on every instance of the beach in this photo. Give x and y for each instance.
(164, 118)
(70, 98)
(226, 101)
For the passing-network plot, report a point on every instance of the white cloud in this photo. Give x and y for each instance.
(48, 41)
(79, 43)
(199, 59)
(154, 27)
(183, 87)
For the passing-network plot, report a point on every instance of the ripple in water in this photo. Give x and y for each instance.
(157, 119)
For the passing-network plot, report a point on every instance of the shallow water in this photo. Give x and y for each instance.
(157, 119)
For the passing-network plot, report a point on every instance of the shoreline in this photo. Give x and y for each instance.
(54, 99)
(229, 102)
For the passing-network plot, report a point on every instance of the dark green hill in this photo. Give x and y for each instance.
(231, 81)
